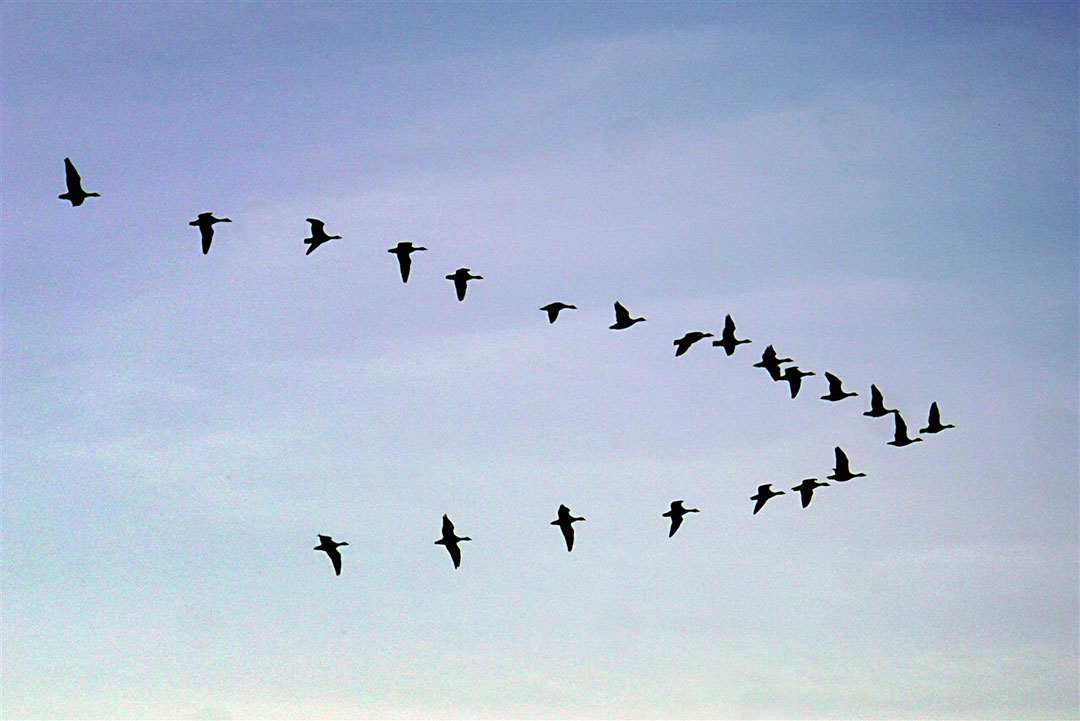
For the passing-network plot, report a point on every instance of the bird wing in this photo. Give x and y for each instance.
(676, 521)
(622, 315)
(405, 263)
(841, 462)
(795, 381)
(876, 401)
(316, 226)
(568, 534)
(900, 431)
(935, 416)
(806, 491)
(460, 285)
(447, 526)
(71, 176)
(729, 327)
(207, 231)
(834, 383)
(335, 558)
(760, 501)
(455, 553)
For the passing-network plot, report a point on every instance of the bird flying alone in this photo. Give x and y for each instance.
(933, 424)
(328, 544)
(842, 471)
(676, 515)
(836, 390)
(683, 344)
(75, 193)
(806, 489)
(553, 309)
(461, 277)
(318, 235)
(450, 540)
(764, 493)
(622, 318)
(205, 224)
(771, 363)
(403, 250)
(794, 378)
(900, 435)
(877, 404)
(728, 341)
(565, 522)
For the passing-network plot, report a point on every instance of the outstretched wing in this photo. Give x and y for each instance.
(207, 231)
(729, 327)
(841, 462)
(405, 263)
(676, 521)
(568, 534)
(71, 176)
(316, 226)
(455, 552)
(335, 558)
(622, 315)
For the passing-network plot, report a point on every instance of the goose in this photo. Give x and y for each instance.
(900, 436)
(683, 344)
(676, 515)
(328, 544)
(806, 489)
(205, 224)
(318, 235)
(771, 363)
(836, 390)
(75, 193)
(764, 493)
(461, 277)
(450, 540)
(794, 377)
(933, 423)
(727, 338)
(842, 471)
(565, 522)
(877, 404)
(403, 250)
(622, 318)
(553, 309)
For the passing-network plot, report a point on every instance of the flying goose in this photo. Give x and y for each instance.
(450, 540)
(565, 522)
(764, 493)
(676, 515)
(402, 250)
(877, 404)
(318, 235)
(461, 277)
(75, 193)
(683, 344)
(933, 423)
(806, 489)
(205, 224)
(328, 544)
(836, 390)
(900, 436)
(622, 318)
(794, 377)
(771, 363)
(553, 309)
(727, 338)
(842, 471)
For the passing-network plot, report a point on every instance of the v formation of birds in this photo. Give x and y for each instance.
(770, 362)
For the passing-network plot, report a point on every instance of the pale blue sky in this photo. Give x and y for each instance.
(885, 191)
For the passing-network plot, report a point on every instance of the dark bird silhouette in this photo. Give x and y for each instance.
(205, 224)
(622, 318)
(836, 390)
(900, 436)
(676, 515)
(728, 341)
(877, 404)
(764, 493)
(806, 489)
(403, 250)
(565, 522)
(794, 377)
(771, 363)
(450, 540)
(318, 235)
(683, 344)
(933, 423)
(553, 309)
(75, 193)
(328, 544)
(461, 277)
(842, 471)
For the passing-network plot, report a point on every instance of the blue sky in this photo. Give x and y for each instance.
(887, 191)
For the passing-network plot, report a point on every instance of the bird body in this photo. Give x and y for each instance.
(683, 344)
(806, 489)
(622, 318)
(771, 363)
(764, 493)
(676, 515)
(933, 423)
(205, 224)
(553, 309)
(842, 470)
(461, 277)
(836, 389)
(794, 377)
(75, 193)
(318, 235)
(728, 341)
(877, 404)
(330, 546)
(403, 250)
(565, 522)
(450, 540)
(900, 433)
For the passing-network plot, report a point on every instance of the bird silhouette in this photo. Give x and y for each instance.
(461, 277)
(403, 250)
(553, 309)
(794, 377)
(727, 337)
(836, 390)
(877, 404)
(900, 436)
(842, 471)
(318, 235)
(622, 318)
(806, 489)
(565, 522)
(676, 515)
(764, 493)
(933, 423)
(683, 344)
(328, 544)
(771, 363)
(450, 540)
(75, 193)
(205, 224)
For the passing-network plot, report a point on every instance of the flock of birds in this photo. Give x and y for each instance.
(770, 361)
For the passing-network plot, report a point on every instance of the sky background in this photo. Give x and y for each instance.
(884, 191)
